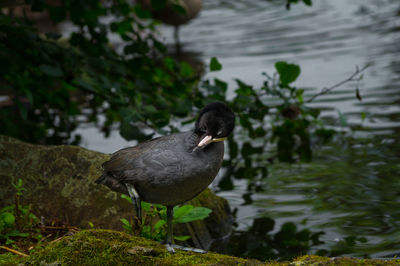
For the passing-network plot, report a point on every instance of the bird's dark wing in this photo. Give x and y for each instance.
(156, 159)
(124, 159)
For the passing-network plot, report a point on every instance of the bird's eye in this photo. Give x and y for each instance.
(219, 133)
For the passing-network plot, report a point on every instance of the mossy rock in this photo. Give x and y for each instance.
(59, 183)
(107, 247)
(343, 261)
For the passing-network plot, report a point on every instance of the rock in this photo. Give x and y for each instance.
(142, 250)
(107, 247)
(59, 183)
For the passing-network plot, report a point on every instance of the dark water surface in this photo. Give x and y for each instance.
(351, 189)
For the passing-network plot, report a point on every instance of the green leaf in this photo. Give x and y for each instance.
(181, 238)
(8, 218)
(126, 197)
(215, 65)
(299, 95)
(53, 35)
(159, 224)
(125, 221)
(17, 233)
(9, 241)
(141, 12)
(325, 134)
(149, 109)
(180, 211)
(314, 112)
(52, 71)
(146, 229)
(307, 2)
(29, 95)
(22, 110)
(84, 84)
(288, 73)
(363, 115)
(186, 69)
(160, 207)
(169, 63)
(221, 84)
(196, 213)
(136, 48)
(146, 206)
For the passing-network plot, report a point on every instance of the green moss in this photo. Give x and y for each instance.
(107, 247)
(345, 261)
(99, 247)
(9, 259)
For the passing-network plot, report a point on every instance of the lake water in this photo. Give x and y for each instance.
(352, 186)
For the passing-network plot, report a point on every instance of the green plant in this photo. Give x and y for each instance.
(16, 219)
(54, 80)
(153, 224)
(139, 89)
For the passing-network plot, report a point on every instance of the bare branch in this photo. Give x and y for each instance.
(14, 251)
(353, 77)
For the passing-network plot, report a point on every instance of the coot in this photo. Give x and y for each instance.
(173, 169)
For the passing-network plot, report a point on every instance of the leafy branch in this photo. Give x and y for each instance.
(356, 76)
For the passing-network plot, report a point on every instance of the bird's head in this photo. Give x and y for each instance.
(215, 122)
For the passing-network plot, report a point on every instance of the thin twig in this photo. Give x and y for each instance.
(14, 251)
(60, 227)
(57, 239)
(351, 78)
(41, 240)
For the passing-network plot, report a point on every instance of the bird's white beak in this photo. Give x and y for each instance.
(207, 140)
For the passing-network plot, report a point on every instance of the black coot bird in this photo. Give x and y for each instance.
(172, 169)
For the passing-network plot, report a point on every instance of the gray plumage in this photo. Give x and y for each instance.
(172, 169)
(164, 170)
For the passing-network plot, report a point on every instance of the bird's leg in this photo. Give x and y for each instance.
(177, 43)
(170, 246)
(170, 216)
(176, 35)
(137, 202)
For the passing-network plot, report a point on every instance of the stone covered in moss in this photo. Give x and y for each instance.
(345, 261)
(9, 259)
(59, 183)
(106, 247)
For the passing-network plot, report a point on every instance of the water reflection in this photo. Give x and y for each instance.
(259, 242)
(348, 191)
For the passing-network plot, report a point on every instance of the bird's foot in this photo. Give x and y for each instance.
(171, 248)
